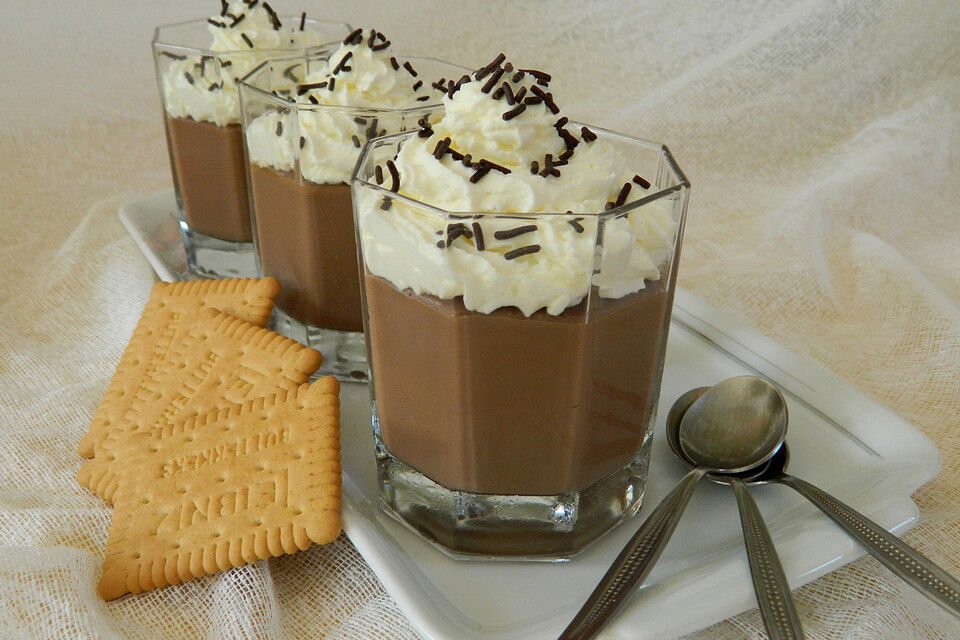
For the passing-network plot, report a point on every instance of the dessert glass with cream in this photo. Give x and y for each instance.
(198, 64)
(517, 271)
(305, 120)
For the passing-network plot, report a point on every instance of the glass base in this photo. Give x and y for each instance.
(344, 352)
(467, 525)
(210, 257)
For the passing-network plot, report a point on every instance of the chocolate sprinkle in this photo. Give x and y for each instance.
(534, 167)
(356, 141)
(587, 135)
(380, 47)
(409, 68)
(518, 76)
(246, 39)
(496, 95)
(479, 174)
(478, 236)
(216, 23)
(425, 132)
(492, 82)
(423, 98)
(575, 223)
(622, 196)
(441, 148)
(562, 122)
(279, 127)
(506, 234)
(394, 63)
(172, 55)
(417, 84)
(238, 19)
(352, 38)
(274, 18)
(440, 244)
(541, 77)
(224, 7)
(303, 19)
(342, 65)
(387, 203)
(378, 174)
(513, 113)
(313, 100)
(522, 91)
(644, 184)
(394, 176)
(188, 77)
(303, 88)
(497, 167)
(508, 92)
(522, 251)
(331, 83)
(456, 230)
(303, 141)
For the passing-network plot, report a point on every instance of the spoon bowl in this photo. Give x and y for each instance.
(734, 426)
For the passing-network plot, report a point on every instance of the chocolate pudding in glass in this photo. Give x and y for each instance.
(302, 141)
(198, 64)
(517, 271)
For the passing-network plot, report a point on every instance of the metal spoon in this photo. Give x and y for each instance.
(637, 558)
(907, 563)
(749, 402)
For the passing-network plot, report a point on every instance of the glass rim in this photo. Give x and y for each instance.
(243, 85)
(157, 43)
(682, 183)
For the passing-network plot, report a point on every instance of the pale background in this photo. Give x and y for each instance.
(822, 139)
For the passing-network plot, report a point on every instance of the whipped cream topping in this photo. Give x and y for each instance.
(502, 148)
(362, 73)
(204, 87)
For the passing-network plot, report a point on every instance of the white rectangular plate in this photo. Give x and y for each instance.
(839, 439)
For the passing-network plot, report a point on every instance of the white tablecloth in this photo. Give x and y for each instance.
(822, 139)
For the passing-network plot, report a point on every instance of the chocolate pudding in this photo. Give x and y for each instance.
(306, 240)
(506, 404)
(208, 167)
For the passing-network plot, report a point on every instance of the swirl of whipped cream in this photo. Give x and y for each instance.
(362, 73)
(535, 259)
(204, 87)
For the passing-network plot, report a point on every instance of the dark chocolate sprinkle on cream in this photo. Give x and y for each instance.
(356, 141)
(608, 206)
(303, 141)
(224, 7)
(496, 167)
(313, 100)
(331, 84)
(274, 18)
(513, 113)
(377, 173)
(496, 95)
(522, 91)
(394, 176)
(506, 234)
(532, 100)
(188, 77)
(562, 122)
(226, 63)
(425, 132)
(352, 38)
(478, 236)
(417, 84)
(394, 63)
(479, 174)
(541, 77)
(303, 20)
(522, 251)
(303, 88)
(534, 167)
(381, 46)
(441, 148)
(492, 82)
(216, 23)
(566, 155)
(359, 120)
(622, 196)
(387, 203)
(172, 55)
(279, 127)
(468, 161)
(238, 19)
(518, 76)
(246, 39)
(587, 135)
(440, 244)
(342, 65)
(508, 93)
(456, 230)
(575, 223)
(423, 98)
(644, 184)
(409, 68)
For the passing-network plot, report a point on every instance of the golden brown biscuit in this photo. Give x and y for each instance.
(225, 489)
(213, 361)
(248, 299)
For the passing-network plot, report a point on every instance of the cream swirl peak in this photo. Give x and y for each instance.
(204, 87)
(362, 73)
(502, 147)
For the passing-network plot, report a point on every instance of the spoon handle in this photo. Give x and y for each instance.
(773, 593)
(634, 562)
(909, 564)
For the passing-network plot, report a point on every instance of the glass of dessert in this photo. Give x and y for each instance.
(198, 64)
(306, 119)
(517, 271)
